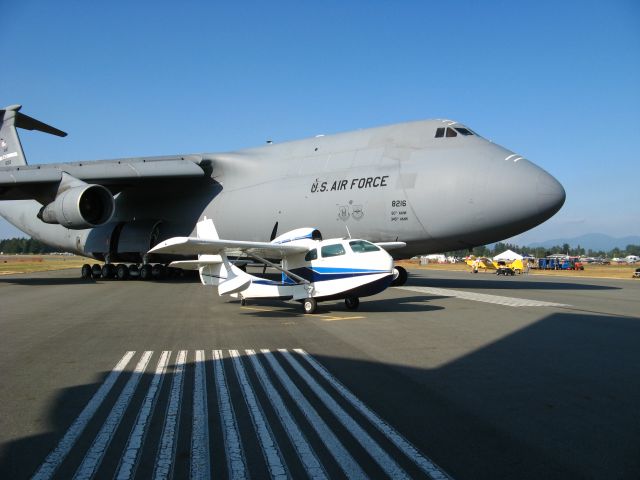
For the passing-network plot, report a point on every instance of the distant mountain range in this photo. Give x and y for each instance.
(593, 241)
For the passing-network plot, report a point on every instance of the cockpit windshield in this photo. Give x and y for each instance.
(451, 132)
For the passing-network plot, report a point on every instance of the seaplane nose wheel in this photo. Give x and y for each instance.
(351, 302)
(309, 305)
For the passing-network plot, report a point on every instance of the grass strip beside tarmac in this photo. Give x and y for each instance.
(11, 264)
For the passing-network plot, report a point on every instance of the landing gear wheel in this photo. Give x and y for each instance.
(159, 272)
(145, 272)
(351, 302)
(243, 302)
(122, 272)
(86, 271)
(107, 271)
(309, 305)
(401, 278)
(96, 271)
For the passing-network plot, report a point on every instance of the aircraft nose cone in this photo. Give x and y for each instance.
(550, 194)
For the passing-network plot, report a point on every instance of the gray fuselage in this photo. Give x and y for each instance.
(398, 182)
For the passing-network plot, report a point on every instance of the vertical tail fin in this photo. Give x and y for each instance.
(11, 152)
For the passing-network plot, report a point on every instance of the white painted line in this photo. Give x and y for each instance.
(382, 458)
(483, 297)
(305, 452)
(236, 465)
(270, 448)
(425, 464)
(55, 458)
(164, 460)
(348, 465)
(99, 446)
(136, 437)
(200, 467)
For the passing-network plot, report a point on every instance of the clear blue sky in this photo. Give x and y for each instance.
(558, 82)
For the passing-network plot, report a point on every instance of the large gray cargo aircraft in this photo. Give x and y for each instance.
(435, 185)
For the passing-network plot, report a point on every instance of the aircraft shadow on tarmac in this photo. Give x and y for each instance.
(417, 303)
(556, 399)
(511, 283)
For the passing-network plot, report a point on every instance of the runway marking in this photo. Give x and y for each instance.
(341, 455)
(304, 450)
(130, 457)
(95, 454)
(270, 450)
(200, 467)
(55, 458)
(310, 424)
(391, 468)
(236, 464)
(484, 297)
(164, 460)
(425, 464)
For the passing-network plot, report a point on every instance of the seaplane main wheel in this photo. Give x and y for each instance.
(309, 305)
(401, 278)
(351, 302)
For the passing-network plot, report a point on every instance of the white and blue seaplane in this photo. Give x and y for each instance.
(312, 269)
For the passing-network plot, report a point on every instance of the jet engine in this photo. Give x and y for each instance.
(80, 207)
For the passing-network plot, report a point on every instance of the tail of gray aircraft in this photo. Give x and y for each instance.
(11, 153)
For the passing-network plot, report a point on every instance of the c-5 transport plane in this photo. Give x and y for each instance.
(425, 183)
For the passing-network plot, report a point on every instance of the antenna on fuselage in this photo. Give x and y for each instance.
(348, 232)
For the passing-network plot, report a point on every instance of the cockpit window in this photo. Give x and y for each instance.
(332, 250)
(451, 132)
(362, 246)
(464, 131)
(311, 255)
(440, 132)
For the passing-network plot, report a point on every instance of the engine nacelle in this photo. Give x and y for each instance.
(80, 207)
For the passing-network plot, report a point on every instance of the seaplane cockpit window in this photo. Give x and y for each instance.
(451, 132)
(362, 246)
(440, 132)
(333, 250)
(464, 131)
(311, 255)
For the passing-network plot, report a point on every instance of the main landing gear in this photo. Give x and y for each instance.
(122, 271)
(400, 276)
(351, 302)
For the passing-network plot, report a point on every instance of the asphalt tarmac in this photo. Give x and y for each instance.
(470, 376)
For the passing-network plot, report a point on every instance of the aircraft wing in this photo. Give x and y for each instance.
(20, 182)
(202, 246)
(391, 245)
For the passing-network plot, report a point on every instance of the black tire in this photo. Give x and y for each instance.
(145, 272)
(351, 302)
(122, 272)
(134, 272)
(159, 271)
(85, 272)
(96, 271)
(107, 271)
(243, 302)
(309, 305)
(401, 279)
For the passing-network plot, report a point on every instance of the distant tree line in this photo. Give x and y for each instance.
(25, 245)
(541, 252)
